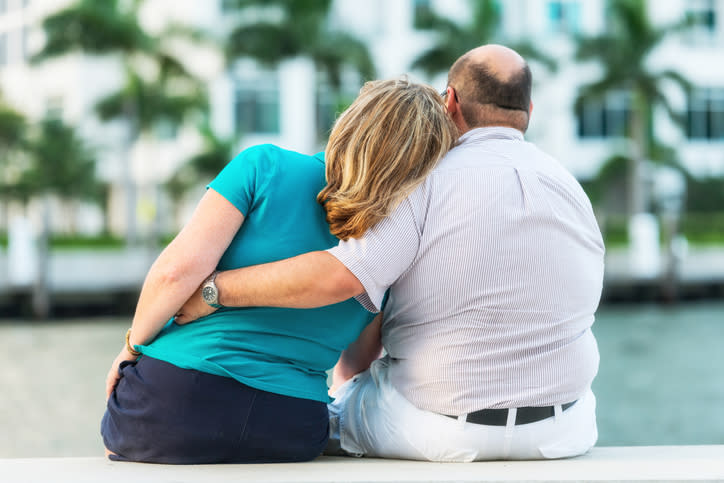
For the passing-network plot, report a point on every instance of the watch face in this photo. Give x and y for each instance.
(209, 294)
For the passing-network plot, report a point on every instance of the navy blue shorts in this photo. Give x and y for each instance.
(160, 413)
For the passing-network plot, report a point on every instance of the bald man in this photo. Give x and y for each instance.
(489, 275)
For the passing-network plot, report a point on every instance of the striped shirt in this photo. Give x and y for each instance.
(494, 267)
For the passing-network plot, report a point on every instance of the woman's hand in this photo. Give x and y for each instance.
(192, 309)
(113, 374)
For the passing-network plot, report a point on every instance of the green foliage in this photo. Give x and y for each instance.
(77, 242)
(60, 163)
(705, 195)
(84, 242)
(623, 51)
(12, 128)
(112, 27)
(697, 228)
(454, 39)
(615, 231)
(12, 141)
(158, 89)
(284, 29)
(95, 28)
(704, 228)
(149, 103)
(13, 159)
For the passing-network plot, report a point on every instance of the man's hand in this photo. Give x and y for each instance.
(113, 374)
(193, 308)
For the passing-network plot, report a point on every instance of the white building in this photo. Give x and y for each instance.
(289, 106)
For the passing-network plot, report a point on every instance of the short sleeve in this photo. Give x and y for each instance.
(248, 173)
(383, 254)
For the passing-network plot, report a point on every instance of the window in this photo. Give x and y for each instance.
(256, 107)
(607, 118)
(702, 16)
(705, 114)
(3, 6)
(564, 17)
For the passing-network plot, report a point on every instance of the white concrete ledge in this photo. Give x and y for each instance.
(642, 463)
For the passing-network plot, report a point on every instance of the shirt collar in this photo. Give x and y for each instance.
(489, 133)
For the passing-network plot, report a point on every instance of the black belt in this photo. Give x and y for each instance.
(524, 415)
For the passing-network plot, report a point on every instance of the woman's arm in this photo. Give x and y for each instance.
(179, 270)
(358, 356)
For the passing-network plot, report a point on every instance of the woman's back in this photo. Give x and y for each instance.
(285, 351)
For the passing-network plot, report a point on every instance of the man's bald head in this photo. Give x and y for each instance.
(493, 84)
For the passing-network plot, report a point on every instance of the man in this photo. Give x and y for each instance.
(493, 269)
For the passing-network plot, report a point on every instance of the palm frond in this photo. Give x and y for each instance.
(268, 43)
(95, 28)
(337, 49)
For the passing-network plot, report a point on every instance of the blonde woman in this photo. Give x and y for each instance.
(249, 385)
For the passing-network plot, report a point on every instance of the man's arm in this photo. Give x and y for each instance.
(314, 279)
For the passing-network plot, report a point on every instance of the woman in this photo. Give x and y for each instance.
(249, 385)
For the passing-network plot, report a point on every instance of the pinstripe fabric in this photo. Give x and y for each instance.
(495, 268)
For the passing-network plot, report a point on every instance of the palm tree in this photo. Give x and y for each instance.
(61, 165)
(454, 39)
(165, 92)
(12, 140)
(290, 29)
(622, 51)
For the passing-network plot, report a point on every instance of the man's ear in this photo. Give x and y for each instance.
(530, 110)
(450, 102)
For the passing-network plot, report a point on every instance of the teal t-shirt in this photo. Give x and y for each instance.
(284, 351)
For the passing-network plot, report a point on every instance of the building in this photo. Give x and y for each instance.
(291, 105)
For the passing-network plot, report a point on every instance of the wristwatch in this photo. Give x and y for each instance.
(210, 292)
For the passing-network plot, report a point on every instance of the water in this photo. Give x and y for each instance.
(660, 380)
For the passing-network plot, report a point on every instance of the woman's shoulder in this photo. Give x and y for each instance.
(273, 150)
(272, 155)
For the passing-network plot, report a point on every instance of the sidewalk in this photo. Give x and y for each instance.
(645, 463)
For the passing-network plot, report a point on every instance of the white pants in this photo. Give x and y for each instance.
(370, 418)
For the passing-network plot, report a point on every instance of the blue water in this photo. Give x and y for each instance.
(661, 379)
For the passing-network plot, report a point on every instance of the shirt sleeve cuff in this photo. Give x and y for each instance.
(371, 299)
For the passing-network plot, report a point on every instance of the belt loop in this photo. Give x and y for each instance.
(462, 419)
(509, 428)
(512, 413)
(557, 410)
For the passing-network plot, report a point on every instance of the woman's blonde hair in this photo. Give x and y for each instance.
(380, 149)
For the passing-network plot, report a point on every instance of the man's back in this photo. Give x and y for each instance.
(492, 308)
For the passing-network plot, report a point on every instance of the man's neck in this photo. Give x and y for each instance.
(468, 129)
